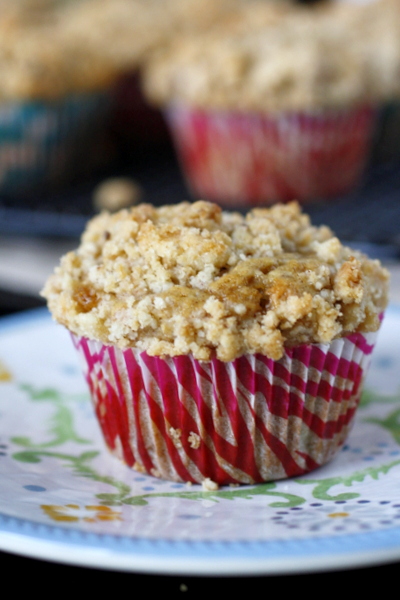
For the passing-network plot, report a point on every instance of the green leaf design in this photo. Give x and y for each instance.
(323, 486)
(89, 455)
(391, 423)
(61, 423)
(27, 457)
(79, 464)
(369, 397)
(45, 394)
(22, 441)
(288, 500)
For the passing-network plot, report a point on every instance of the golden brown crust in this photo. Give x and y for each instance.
(190, 278)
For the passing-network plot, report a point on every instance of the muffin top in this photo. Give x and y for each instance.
(281, 57)
(49, 48)
(41, 58)
(123, 33)
(191, 278)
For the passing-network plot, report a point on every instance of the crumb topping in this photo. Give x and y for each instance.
(50, 48)
(194, 440)
(209, 485)
(191, 278)
(176, 435)
(278, 58)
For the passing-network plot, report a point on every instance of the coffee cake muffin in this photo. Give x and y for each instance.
(282, 104)
(220, 346)
(54, 100)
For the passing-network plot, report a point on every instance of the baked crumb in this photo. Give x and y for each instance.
(194, 440)
(193, 279)
(176, 436)
(116, 193)
(209, 485)
(138, 467)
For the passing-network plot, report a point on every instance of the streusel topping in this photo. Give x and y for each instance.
(275, 58)
(191, 278)
(50, 48)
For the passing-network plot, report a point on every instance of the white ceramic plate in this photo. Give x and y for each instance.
(64, 497)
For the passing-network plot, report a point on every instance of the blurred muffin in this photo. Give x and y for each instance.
(279, 106)
(379, 41)
(122, 34)
(54, 99)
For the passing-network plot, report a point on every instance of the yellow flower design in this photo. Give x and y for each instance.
(5, 374)
(91, 513)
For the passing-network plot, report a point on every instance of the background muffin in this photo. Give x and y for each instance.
(279, 106)
(54, 100)
(69, 89)
(122, 34)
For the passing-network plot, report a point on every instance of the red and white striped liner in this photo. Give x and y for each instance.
(249, 159)
(247, 421)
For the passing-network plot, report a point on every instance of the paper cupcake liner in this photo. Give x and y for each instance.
(247, 421)
(47, 142)
(249, 159)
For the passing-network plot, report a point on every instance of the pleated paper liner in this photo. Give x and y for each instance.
(248, 159)
(247, 421)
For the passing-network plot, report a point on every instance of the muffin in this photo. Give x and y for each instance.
(218, 346)
(279, 106)
(122, 34)
(380, 43)
(54, 100)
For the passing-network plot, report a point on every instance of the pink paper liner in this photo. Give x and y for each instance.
(247, 421)
(248, 159)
